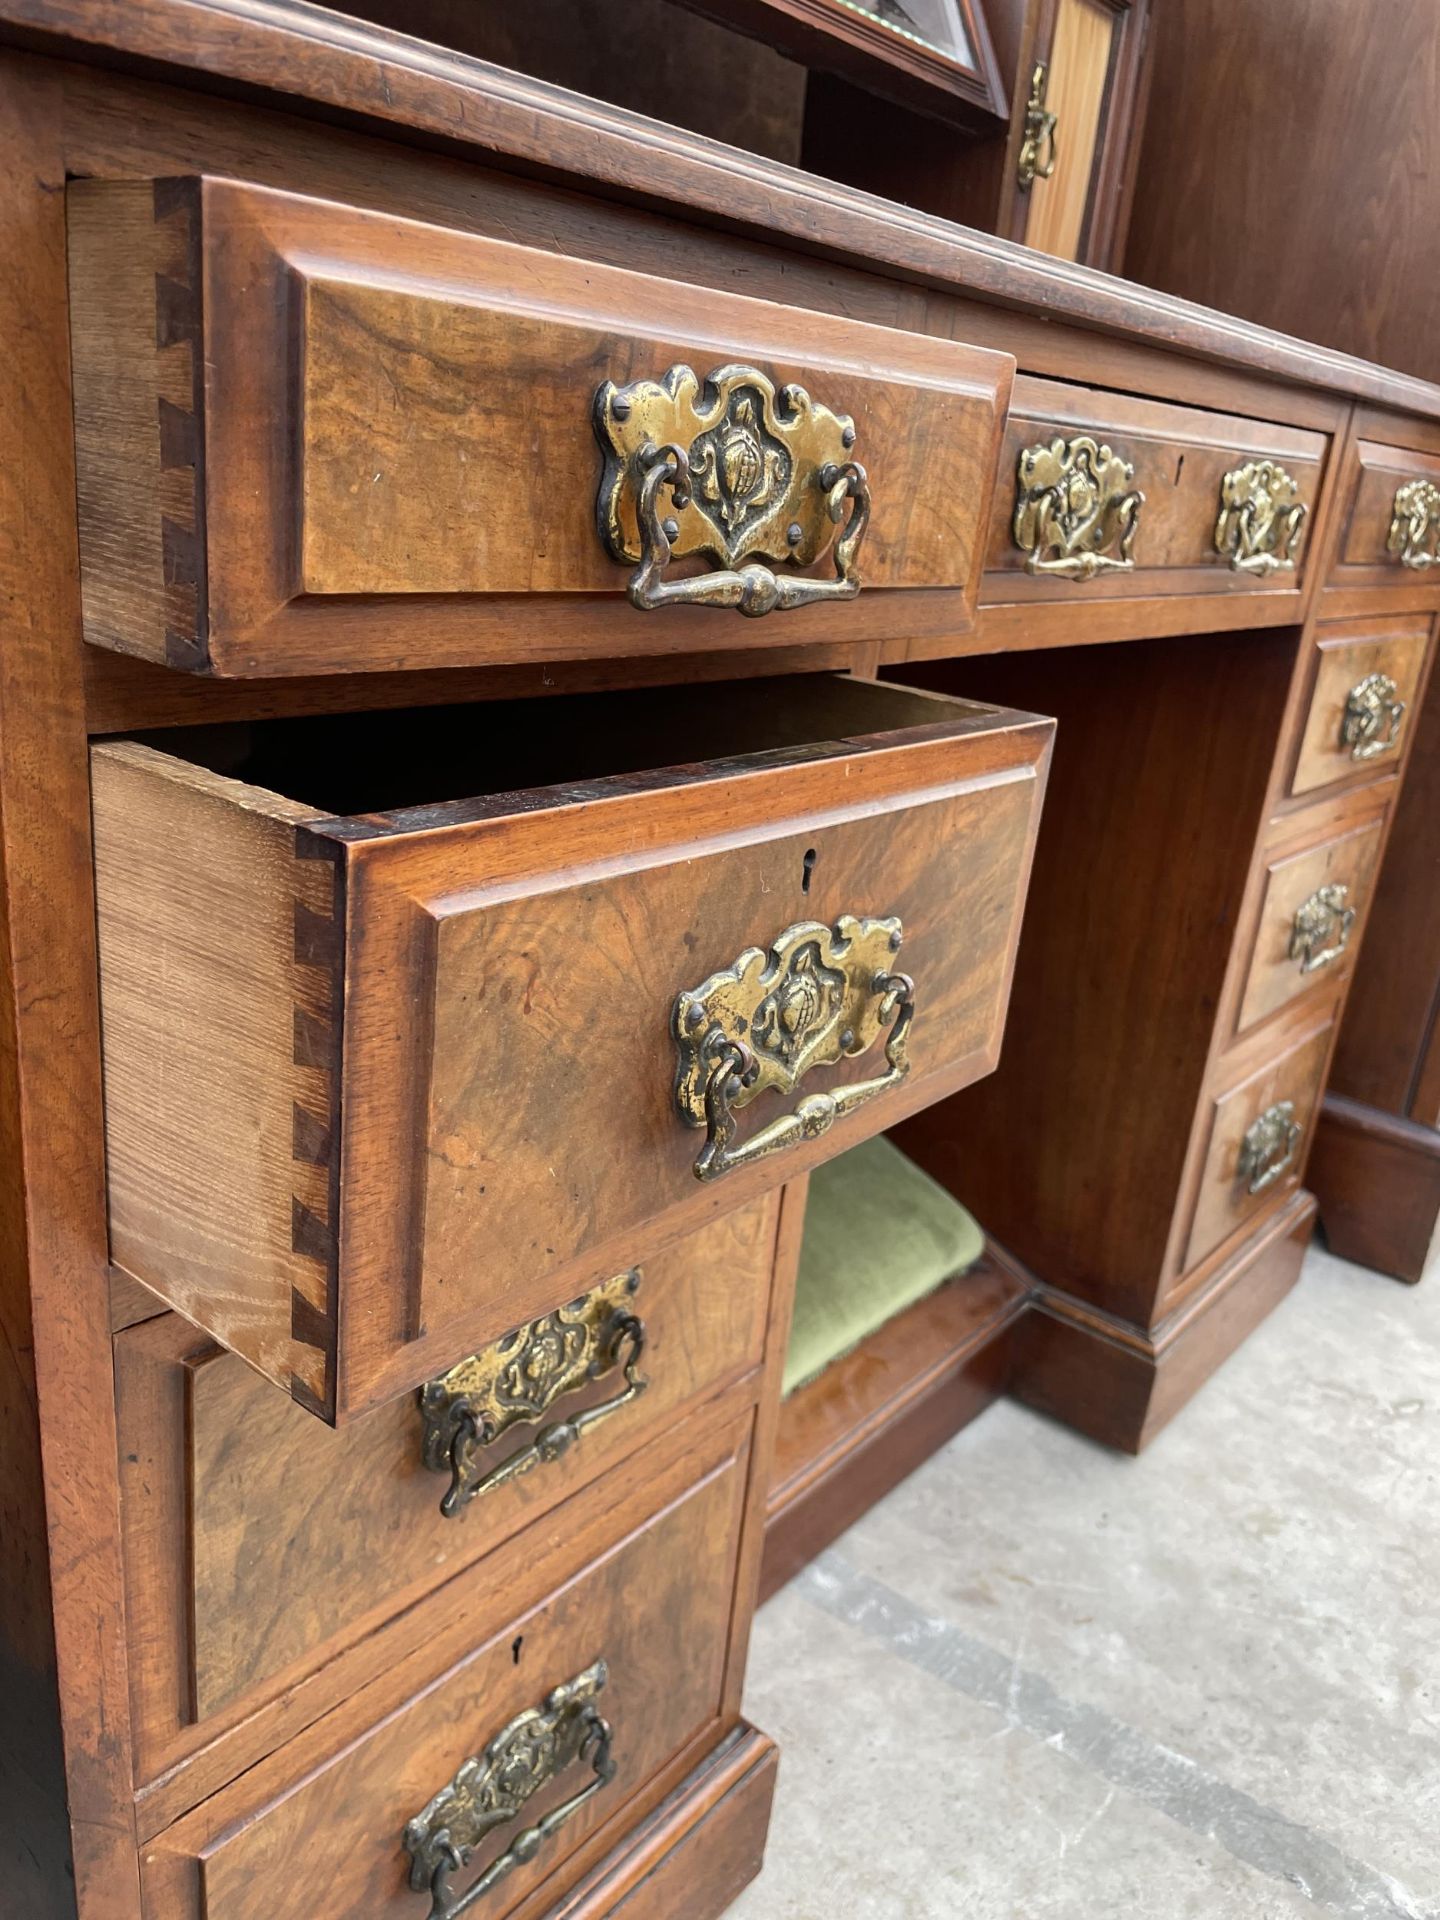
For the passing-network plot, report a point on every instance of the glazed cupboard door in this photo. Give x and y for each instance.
(1075, 127)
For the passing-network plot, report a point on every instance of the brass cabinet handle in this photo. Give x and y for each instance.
(1076, 512)
(821, 994)
(751, 474)
(1321, 927)
(1040, 127)
(493, 1788)
(1414, 536)
(1268, 1147)
(518, 1379)
(1370, 724)
(1261, 518)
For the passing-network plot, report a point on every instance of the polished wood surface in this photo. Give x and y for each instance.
(259, 1546)
(654, 1606)
(1226, 1198)
(348, 1280)
(1187, 705)
(1180, 456)
(1346, 655)
(1081, 44)
(1240, 205)
(1346, 858)
(1376, 1176)
(343, 504)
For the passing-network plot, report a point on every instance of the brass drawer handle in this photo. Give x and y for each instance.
(1268, 1147)
(493, 1788)
(1414, 536)
(751, 474)
(1370, 724)
(821, 994)
(1076, 513)
(1262, 518)
(1321, 928)
(518, 1379)
(1040, 126)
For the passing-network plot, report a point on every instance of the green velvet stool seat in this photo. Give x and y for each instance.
(879, 1235)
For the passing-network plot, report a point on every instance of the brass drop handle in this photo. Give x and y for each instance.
(1261, 520)
(1268, 1147)
(1076, 512)
(492, 1789)
(518, 1379)
(819, 995)
(1040, 129)
(738, 472)
(1370, 724)
(1414, 536)
(1321, 927)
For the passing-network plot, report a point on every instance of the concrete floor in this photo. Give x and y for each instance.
(1045, 1682)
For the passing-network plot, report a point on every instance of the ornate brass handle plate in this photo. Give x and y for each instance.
(1321, 927)
(1370, 724)
(1268, 1147)
(820, 995)
(1076, 512)
(516, 1381)
(750, 474)
(1414, 536)
(492, 1789)
(1262, 518)
(1040, 125)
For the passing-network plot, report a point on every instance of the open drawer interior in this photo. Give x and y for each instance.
(419, 1024)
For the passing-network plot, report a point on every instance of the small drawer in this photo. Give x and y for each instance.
(1125, 496)
(1391, 525)
(1362, 699)
(261, 1546)
(388, 1071)
(316, 439)
(1259, 1136)
(572, 1706)
(1311, 916)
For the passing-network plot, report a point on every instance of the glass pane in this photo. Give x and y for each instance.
(933, 23)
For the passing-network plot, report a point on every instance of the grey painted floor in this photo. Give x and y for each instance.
(1045, 1682)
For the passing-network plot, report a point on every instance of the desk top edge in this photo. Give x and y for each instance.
(307, 57)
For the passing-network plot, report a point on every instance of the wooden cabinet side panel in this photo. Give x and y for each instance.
(219, 1003)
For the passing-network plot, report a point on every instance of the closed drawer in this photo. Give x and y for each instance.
(1313, 908)
(1126, 496)
(314, 439)
(345, 1821)
(1259, 1135)
(1391, 526)
(388, 1071)
(261, 1548)
(1364, 681)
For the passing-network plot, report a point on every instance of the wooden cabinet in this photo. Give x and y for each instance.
(452, 1059)
(441, 928)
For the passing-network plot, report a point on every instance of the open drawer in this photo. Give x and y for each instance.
(390, 1068)
(313, 438)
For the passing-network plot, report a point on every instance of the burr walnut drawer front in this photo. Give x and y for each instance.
(1365, 678)
(292, 1543)
(1313, 907)
(1259, 1136)
(316, 439)
(1391, 518)
(1125, 496)
(389, 1072)
(588, 1673)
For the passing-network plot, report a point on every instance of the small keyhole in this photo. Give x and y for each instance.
(807, 868)
(515, 1649)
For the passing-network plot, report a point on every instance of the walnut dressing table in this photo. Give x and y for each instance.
(532, 646)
